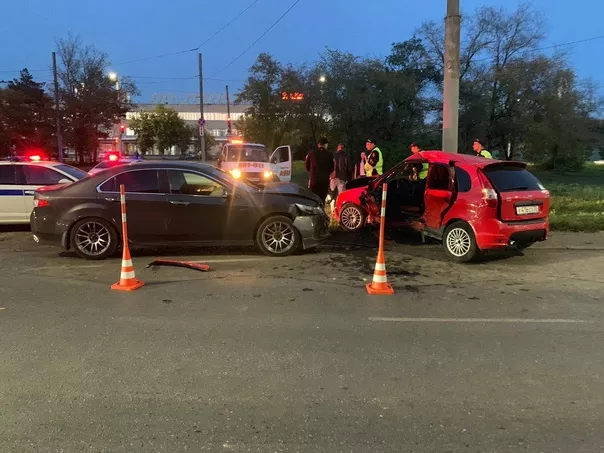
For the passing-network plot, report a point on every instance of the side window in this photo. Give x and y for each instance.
(142, 181)
(438, 179)
(7, 175)
(282, 155)
(41, 176)
(464, 181)
(186, 183)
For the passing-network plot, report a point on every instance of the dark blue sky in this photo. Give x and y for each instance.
(135, 29)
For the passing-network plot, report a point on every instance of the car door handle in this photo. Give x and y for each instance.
(180, 203)
(29, 192)
(114, 200)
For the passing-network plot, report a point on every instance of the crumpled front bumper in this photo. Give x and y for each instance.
(313, 229)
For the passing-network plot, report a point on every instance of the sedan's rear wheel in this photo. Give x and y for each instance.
(352, 217)
(277, 236)
(94, 239)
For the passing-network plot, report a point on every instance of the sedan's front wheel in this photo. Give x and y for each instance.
(277, 236)
(94, 239)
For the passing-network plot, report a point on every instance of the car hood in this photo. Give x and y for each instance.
(286, 188)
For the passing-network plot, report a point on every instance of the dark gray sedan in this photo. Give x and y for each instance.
(177, 203)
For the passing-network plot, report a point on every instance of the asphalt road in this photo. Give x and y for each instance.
(292, 355)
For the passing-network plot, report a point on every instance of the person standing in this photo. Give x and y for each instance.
(423, 173)
(341, 173)
(319, 165)
(480, 151)
(375, 160)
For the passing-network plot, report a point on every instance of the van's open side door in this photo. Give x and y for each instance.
(282, 160)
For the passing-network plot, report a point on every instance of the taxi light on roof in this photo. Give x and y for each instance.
(236, 141)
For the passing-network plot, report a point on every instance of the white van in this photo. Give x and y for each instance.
(252, 162)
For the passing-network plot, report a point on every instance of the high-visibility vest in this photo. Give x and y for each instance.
(423, 172)
(378, 166)
(484, 153)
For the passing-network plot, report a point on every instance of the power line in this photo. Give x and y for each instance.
(260, 37)
(554, 46)
(194, 49)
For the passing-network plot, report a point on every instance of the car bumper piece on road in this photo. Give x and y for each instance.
(313, 229)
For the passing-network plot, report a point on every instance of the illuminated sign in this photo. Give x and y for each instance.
(292, 96)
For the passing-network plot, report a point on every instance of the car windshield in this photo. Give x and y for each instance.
(72, 171)
(246, 153)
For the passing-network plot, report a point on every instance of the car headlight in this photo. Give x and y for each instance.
(236, 173)
(267, 174)
(309, 210)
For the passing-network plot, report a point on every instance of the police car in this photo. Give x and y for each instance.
(21, 176)
(111, 160)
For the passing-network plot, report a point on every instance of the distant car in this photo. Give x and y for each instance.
(112, 160)
(177, 203)
(251, 161)
(20, 177)
(469, 203)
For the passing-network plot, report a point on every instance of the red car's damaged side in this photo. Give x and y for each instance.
(469, 203)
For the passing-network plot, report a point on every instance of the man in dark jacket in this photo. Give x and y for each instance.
(340, 175)
(319, 165)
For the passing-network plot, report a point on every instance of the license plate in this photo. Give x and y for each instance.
(524, 210)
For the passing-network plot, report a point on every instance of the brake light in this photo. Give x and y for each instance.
(489, 194)
(41, 203)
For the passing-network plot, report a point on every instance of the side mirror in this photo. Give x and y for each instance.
(274, 160)
(65, 181)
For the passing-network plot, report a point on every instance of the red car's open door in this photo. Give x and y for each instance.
(439, 193)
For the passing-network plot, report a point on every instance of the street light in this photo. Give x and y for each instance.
(115, 78)
(322, 79)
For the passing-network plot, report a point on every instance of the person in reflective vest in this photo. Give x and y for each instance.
(480, 151)
(375, 160)
(415, 149)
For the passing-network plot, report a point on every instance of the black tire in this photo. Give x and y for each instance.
(352, 217)
(459, 242)
(94, 228)
(277, 236)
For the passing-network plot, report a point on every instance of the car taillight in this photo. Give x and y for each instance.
(41, 203)
(489, 195)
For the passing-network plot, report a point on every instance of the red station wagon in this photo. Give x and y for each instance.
(469, 203)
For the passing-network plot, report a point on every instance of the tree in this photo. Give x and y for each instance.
(144, 126)
(163, 129)
(26, 115)
(90, 104)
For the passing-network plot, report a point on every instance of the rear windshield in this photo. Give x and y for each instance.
(245, 153)
(512, 179)
(72, 171)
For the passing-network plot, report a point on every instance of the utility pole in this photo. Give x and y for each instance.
(202, 125)
(57, 108)
(451, 82)
(229, 123)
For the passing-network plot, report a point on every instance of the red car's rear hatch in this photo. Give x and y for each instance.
(521, 196)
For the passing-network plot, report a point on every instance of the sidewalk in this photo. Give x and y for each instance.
(565, 240)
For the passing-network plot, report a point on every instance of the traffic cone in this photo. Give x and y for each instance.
(128, 281)
(379, 285)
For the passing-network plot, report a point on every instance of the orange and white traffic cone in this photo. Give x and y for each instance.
(128, 281)
(379, 285)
